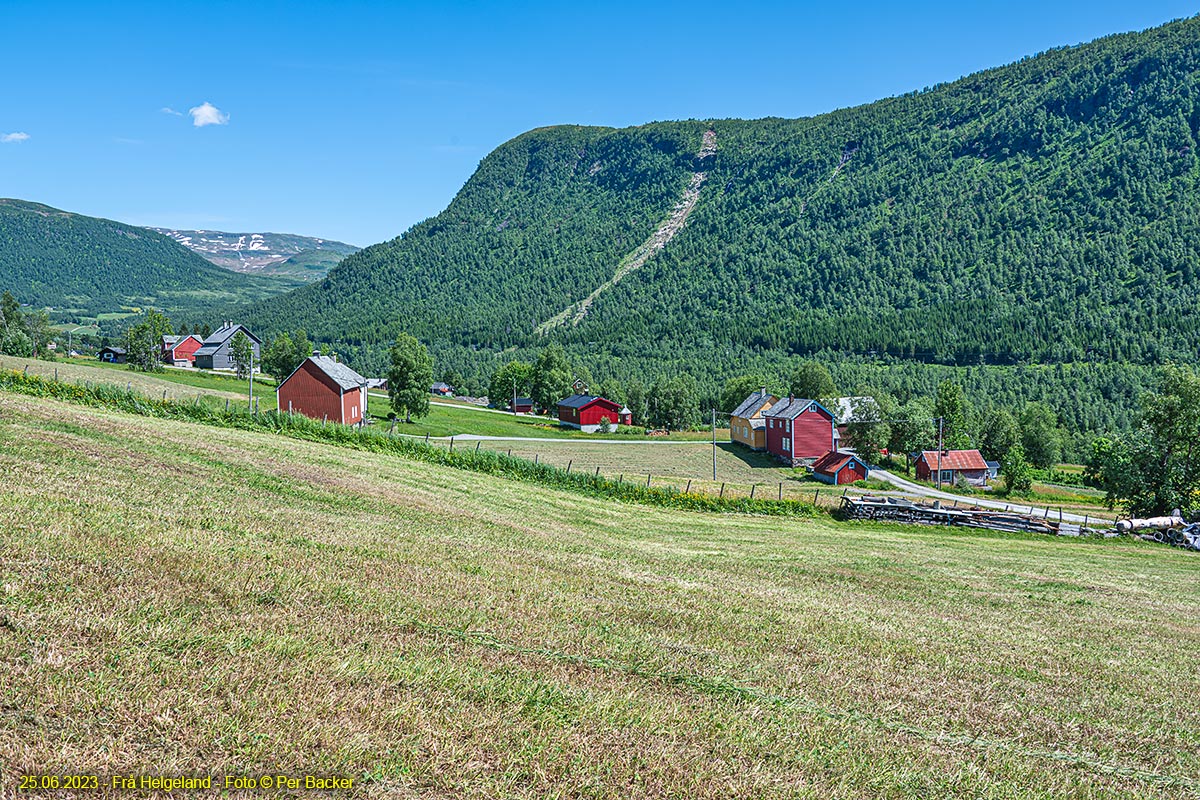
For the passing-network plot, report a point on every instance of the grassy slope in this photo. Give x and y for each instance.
(674, 465)
(303, 608)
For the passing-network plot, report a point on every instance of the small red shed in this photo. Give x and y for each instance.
(838, 468)
(799, 431)
(585, 412)
(967, 464)
(324, 388)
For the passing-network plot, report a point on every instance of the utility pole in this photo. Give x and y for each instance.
(514, 397)
(940, 420)
(714, 434)
(250, 399)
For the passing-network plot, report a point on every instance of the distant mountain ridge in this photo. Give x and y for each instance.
(81, 266)
(305, 258)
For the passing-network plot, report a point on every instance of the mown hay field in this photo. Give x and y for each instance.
(182, 599)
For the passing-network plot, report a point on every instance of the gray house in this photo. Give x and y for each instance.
(214, 353)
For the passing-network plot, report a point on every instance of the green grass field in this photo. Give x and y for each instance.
(187, 599)
(674, 464)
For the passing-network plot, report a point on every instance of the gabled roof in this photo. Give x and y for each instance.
(582, 400)
(168, 341)
(524, 401)
(118, 350)
(955, 459)
(833, 461)
(790, 408)
(751, 405)
(440, 386)
(342, 375)
(221, 336)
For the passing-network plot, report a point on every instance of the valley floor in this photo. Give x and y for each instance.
(180, 599)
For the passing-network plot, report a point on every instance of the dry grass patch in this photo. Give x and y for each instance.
(180, 598)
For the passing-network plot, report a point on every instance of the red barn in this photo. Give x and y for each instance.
(181, 350)
(799, 431)
(324, 389)
(585, 411)
(968, 464)
(838, 468)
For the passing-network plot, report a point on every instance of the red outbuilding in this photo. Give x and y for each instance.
(799, 431)
(180, 350)
(967, 464)
(838, 468)
(586, 412)
(323, 388)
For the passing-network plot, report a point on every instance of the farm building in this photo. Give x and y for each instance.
(323, 388)
(586, 412)
(112, 355)
(377, 384)
(968, 464)
(442, 389)
(838, 468)
(799, 431)
(993, 470)
(180, 350)
(521, 405)
(215, 352)
(746, 424)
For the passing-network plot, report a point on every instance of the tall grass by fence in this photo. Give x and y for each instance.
(300, 427)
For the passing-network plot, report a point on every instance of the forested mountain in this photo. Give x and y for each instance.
(1046, 211)
(84, 265)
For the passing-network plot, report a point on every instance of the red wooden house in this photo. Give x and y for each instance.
(838, 468)
(325, 389)
(586, 412)
(968, 464)
(180, 350)
(799, 431)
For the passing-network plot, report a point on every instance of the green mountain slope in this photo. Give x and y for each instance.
(1043, 211)
(85, 265)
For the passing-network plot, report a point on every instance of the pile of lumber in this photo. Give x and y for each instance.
(896, 509)
(1172, 530)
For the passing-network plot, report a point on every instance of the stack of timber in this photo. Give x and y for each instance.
(1172, 530)
(895, 509)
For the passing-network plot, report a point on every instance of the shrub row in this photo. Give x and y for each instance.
(481, 461)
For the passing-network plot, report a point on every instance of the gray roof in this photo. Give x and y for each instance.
(118, 350)
(170, 340)
(581, 400)
(342, 375)
(752, 404)
(790, 408)
(224, 334)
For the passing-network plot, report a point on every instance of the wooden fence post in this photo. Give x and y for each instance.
(56, 374)
(164, 395)
(647, 480)
(570, 461)
(597, 472)
(451, 444)
(721, 496)
(226, 405)
(753, 486)
(689, 486)
(781, 492)
(622, 478)
(477, 446)
(816, 497)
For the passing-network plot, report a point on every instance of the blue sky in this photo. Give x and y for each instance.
(354, 120)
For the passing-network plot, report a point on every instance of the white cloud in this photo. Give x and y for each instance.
(208, 114)
(171, 111)
(13, 137)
